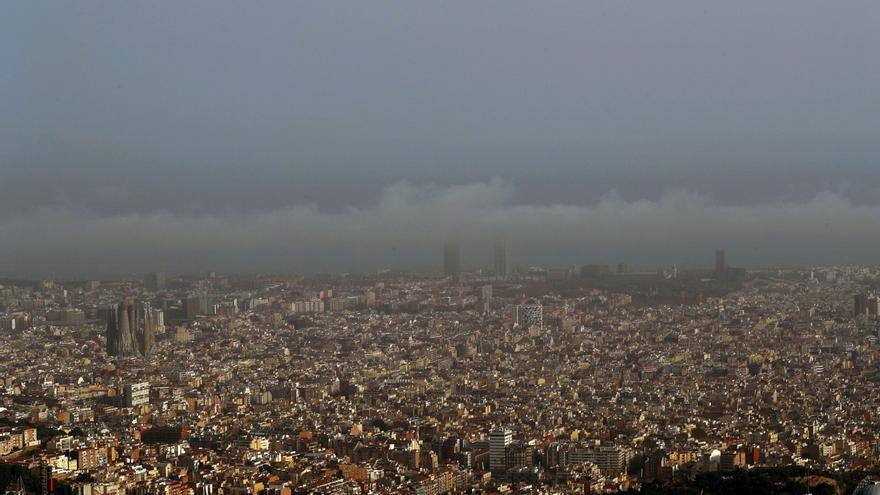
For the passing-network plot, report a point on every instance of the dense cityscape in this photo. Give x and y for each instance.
(502, 247)
(593, 379)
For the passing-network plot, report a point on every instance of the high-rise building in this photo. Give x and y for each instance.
(159, 320)
(130, 329)
(451, 261)
(720, 261)
(195, 305)
(154, 281)
(499, 439)
(860, 305)
(486, 295)
(137, 394)
(502, 264)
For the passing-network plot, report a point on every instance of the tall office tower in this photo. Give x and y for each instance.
(154, 281)
(530, 315)
(860, 305)
(159, 320)
(720, 261)
(195, 305)
(502, 264)
(499, 439)
(451, 261)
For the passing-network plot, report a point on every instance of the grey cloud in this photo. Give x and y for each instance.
(408, 225)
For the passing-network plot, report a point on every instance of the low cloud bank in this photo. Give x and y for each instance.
(408, 225)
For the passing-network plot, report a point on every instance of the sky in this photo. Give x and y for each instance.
(353, 136)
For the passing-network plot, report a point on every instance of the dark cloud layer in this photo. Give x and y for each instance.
(407, 227)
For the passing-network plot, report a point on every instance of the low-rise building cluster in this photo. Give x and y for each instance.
(404, 383)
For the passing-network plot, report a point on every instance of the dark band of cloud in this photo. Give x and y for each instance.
(408, 225)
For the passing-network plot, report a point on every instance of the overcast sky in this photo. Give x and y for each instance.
(325, 135)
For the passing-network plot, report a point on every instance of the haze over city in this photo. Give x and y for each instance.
(391, 247)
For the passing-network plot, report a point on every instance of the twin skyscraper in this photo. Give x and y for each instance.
(452, 260)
